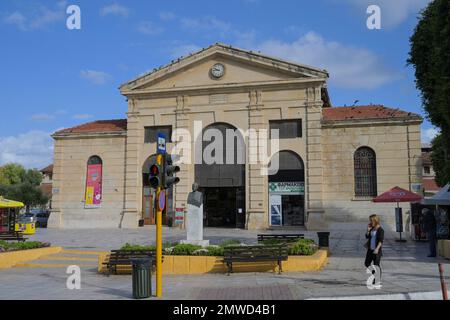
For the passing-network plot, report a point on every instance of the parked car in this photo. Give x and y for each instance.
(39, 216)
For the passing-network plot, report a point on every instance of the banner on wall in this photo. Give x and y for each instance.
(93, 186)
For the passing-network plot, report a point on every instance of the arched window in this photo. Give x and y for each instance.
(365, 172)
(93, 194)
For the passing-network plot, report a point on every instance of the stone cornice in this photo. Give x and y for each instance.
(78, 135)
(370, 122)
(223, 88)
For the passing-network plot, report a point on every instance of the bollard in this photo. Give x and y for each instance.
(443, 284)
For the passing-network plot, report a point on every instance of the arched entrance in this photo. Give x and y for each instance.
(148, 197)
(287, 191)
(221, 176)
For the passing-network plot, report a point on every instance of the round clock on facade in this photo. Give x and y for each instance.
(218, 70)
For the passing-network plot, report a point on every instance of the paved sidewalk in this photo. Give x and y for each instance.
(406, 270)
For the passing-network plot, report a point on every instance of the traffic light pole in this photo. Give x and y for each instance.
(158, 246)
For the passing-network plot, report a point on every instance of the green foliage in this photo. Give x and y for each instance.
(27, 245)
(271, 242)
(137, 247)
(430, 55)
(19, 184)
(230, 242)
(184, 249)
(303, 247)
(215, 251)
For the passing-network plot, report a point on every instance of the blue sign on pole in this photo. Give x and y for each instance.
(162, 200)
(161, 143)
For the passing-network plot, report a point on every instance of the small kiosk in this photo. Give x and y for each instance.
(9, 211)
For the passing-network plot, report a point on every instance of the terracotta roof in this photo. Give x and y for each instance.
(365, 113)
(48, 169)
(117, 125)
(430, 185)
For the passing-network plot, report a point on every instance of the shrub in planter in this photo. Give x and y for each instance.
(136, 247)
(184, 249)
(303, 247)
(215, 251)
(16, 246)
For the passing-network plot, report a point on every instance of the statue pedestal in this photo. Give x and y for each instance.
(194, 226)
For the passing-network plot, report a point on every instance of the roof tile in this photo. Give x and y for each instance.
(99, 126)
(364, 113)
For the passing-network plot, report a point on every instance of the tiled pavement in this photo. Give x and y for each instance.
(405, 269)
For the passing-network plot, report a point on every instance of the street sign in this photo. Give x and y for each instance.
(162, 200)
(161, 143)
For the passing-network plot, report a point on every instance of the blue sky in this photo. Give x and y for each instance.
(53, 77)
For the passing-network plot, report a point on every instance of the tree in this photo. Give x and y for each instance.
(20, 184)
(430, 56)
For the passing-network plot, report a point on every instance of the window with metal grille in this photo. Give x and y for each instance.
(365, 172)
(151, 133)
(287, 129)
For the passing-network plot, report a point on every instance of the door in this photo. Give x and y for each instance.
(147, 207)
(220, 207)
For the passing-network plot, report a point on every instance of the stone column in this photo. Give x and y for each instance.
(56, 217)
(182, 189)
(314, 163)
(133, 172)
(257, 207)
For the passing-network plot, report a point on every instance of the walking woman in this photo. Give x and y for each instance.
(375, 238)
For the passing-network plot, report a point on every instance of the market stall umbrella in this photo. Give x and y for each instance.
(5, 203)
(398, 194)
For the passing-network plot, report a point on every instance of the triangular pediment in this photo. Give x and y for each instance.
(240, 67)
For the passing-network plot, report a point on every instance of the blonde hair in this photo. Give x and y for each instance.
(375, 219)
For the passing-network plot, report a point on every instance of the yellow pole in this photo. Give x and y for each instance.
(158, 246)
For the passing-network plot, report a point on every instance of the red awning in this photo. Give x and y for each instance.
(398, 194)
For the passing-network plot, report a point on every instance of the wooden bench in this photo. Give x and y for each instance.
(276, 253)
(123, 258)
(14, 236)
(281, 237)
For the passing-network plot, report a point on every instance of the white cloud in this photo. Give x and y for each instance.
(95, 77)
(37, 17)
(83, 116)
(429, 134)
(208, 23)
(167, 16)
(393, 12)
(349, 66)
(42, 117)
(149, 28)
(33, 149)
(115, 9)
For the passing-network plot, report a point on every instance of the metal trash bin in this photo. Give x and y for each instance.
(324, 241)
(142, 278)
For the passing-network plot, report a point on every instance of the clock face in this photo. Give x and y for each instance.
(218, 70)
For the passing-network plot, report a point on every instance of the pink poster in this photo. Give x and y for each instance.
(94, 186)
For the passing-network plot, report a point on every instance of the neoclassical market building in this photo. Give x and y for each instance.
(332, 160)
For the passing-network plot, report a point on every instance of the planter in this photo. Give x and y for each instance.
(178, 265)
(11, 258)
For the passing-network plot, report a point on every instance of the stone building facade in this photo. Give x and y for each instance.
(229, 88)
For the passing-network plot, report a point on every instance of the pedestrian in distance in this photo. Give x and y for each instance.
(375, 238)
(429, 226)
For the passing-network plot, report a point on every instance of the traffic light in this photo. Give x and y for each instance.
(156, 175)
(169, 171)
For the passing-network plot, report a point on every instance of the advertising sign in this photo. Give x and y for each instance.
(93, 186)
(179, 216)
(276, 218)
(295, 187)
(161, 144)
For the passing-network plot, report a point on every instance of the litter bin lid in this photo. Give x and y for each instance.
(144, 262)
